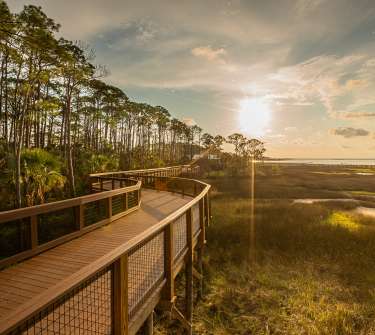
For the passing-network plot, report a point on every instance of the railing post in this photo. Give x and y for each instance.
(113, 183)
(189, 271)
(168, 264)
(34, 231)
(201, 243)
(209, 206)
(206, 213)
(101, 184)
(80, 217)
(126, 201)
(120, 296)
(109, 204)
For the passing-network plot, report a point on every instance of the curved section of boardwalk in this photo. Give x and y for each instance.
(25, 281)
(108, 275)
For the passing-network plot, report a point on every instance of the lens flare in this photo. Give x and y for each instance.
(254, 116)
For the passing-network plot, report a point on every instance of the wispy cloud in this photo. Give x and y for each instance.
(349, 132)
(357, 115)
(209, 53)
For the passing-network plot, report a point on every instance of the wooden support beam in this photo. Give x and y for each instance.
(148, 328)
(120, 296)
(202, 226)
(189, 271)
(201, 244)
(209, 206)
(168, 293)
(196, 274)
(180, 317)
(206, 210)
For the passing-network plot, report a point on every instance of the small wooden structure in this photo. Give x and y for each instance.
(126, 244)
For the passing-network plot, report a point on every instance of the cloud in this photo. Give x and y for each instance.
(189, 121)
(209, 53)
(349, 132)
(356, 115)
(343, 85)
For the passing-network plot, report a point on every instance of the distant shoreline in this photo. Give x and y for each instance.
(323, 161)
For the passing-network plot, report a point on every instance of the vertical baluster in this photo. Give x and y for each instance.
(109, 207)
(34, 231)
(126, 201)
(80, 217)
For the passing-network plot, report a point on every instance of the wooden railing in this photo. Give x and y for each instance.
(118, 292)
(171, 171)
(28, 231)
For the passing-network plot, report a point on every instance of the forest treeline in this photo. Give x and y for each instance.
(59, 121)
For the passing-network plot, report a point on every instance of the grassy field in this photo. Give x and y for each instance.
(315, 270)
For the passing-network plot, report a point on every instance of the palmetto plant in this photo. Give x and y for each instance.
(40, 174)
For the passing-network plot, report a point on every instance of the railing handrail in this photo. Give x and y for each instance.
(53, 294)
(130, 172)
(20, 213)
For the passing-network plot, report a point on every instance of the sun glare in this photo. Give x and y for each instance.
(254, 116)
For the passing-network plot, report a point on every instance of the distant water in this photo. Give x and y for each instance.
(324, 161)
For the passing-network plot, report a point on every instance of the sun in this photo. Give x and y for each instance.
(254, 116)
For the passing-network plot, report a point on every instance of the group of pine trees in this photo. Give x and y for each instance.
(54, 102)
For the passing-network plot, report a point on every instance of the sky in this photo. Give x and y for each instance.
(298, 74)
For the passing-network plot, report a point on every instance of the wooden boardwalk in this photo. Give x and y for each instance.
(109, 279)
(27, 280)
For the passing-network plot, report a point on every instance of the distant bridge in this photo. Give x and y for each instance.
(101, 263)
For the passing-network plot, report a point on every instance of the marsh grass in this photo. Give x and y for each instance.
(315, 270)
